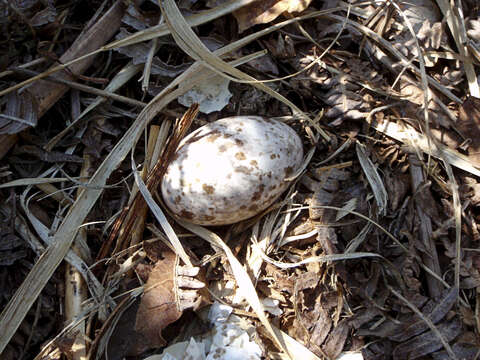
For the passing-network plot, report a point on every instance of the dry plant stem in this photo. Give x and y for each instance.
(75, 289)
(47, 93)
(430, 257)
(86, 88)
(139, 225)
(56, 194)
(23, 66)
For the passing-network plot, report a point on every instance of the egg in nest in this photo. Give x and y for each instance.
(231, 169)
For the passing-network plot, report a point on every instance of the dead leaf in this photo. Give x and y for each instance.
(462, 351)
(158, 307)
(436, 314)
(468, 123)
(427, 343)
(45, 16)
(425, 19)
(264, 11)
(397, 186)
(322, 326)
(336, 340)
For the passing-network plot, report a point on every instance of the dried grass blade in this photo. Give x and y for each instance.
(294, 347)
(319, 259)
(161, 218)
(373, 178)
(32, 181)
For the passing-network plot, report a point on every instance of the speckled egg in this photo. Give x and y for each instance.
(231, 169)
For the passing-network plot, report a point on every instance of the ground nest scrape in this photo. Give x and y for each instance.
(371, 253)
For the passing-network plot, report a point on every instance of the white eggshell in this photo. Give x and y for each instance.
(231, 169)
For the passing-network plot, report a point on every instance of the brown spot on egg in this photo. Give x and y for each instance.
(269, 174)
(177, 199)
(253, 207)
(288, 171)
(226, 136)
(238, 142)
(273, 187)
(213, 136)
(243, 169)
(273, 156)
(238, 129)
(258, 194)
(208, 189)
(254, 163)
(240, 156)
(187, 214)
(222, 148)
(243, 207)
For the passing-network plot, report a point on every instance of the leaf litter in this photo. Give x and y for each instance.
(373, 251)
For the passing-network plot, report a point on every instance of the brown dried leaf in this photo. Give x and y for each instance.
(462, 351)
(425, 18)
(427, 343)
(397, 185)
(45, 16)
(158, 307)
(322, 326)
(469, 124)
(336, 340)
(264, 11)
(436, 314)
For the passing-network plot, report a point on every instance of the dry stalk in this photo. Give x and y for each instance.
(75, 289)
